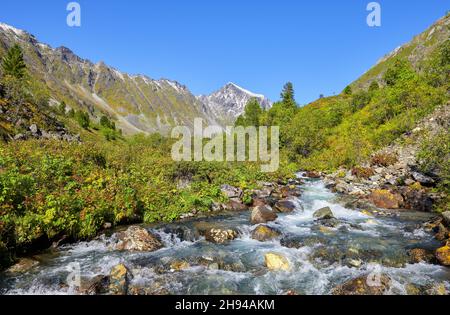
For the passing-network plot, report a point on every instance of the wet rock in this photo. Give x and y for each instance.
(289, 191)
(324, 213)
(354, 263)
(155, 288)
(276, 262)
(419, 255)
(293, 241)
(441, 232)
(220, 236)
(94, 286)
(386, 199)
(183, 233)
(263, 214)
(314, 175)
(264, 233)
(323, 229)
(443, 255)
(22, 266)
(138, 239)
(329, 223)
(179, 265)
(365, 285)
(285, 206)
(231, 192)
(422, 179)
(436, 289)
(412, 289)
(119, 280)
(324, 256)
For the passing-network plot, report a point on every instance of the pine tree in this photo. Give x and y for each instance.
(13, 63)
(288, 96)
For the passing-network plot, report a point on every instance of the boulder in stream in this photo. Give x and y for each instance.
(285, 206)
(277, 262)
(365, 285)
(443, 254)
(138, 239)
(323, 214)
(264, 233)
(419, 255)
(263, 214)
(118, 280)
(220, 236)
(22, 266)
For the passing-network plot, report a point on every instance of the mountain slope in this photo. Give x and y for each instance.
(136, 102)
(416, 52)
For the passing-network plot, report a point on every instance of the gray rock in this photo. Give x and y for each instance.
(34, 129)
(422, 179)
(324, 213)
(446, 216)
(231, 192)
(263, 214)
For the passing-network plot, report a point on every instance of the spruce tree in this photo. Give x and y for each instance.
(288, 96)
(13, 63)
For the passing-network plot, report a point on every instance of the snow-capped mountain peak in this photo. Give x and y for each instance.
(229, 102)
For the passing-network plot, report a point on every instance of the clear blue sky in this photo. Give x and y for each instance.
(319, 45)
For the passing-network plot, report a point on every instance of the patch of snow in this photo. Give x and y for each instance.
(10, 28)
(119, 74)
(246, 91)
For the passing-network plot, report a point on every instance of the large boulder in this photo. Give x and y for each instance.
(263, 214)
(276, 262)
(386, 199)
(118, 280)
(264, 233)
(138, 239)
(443, 254)
(220, 236)
(285, 206)
(323, 214)
(365, 285)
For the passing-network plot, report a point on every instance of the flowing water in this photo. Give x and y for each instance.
(324, 259)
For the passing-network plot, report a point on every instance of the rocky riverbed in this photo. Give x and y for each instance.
(299, 238)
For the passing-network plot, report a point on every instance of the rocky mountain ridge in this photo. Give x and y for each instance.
(137, 102)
